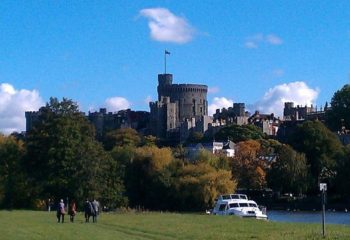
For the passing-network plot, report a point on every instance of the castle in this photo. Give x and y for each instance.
(180, 108)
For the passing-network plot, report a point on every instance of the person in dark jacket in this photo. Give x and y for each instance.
(88, 210)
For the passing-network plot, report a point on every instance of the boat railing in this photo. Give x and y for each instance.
(263, 209)
(233, 196)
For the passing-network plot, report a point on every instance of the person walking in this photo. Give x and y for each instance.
(96, 207)
(88, 210)
(72, 211)
(60, 212)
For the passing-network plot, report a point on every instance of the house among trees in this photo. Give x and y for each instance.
(227, 148)
(268, 123)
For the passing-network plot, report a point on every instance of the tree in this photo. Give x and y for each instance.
(237, 133)
(195, 137)
(112, 183)
(179, 152)
(248, 165)
(197, 185)
(289, 172)
(63, 157)
(147, 178)
(13, 183)
(149, 140)
(322, 148)
(217, 161)
(343, 169)
(338, 115)
(122, 137)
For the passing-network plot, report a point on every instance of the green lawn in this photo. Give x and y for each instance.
(162, 226)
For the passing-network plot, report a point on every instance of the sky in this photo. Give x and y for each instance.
(109, 53)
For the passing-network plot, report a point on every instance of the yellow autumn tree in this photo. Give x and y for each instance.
(248, 166)
(198, 185)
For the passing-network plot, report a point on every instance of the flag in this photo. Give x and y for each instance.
(166, 52)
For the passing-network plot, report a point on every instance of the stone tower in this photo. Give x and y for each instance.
(176, 103)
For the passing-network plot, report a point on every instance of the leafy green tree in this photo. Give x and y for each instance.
(122, 137)
(338, 115)
(179, 153)
(289, 172)
(155, 180)
(145, 173)
(64, 159)
(322, 148)
(237, 133)
(112, 187)
(343, 169)
(149, 140)
(218, 161)
(147, 177)
(195, 137)
(13, 183)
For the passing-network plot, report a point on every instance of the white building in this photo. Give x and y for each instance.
(227, 148)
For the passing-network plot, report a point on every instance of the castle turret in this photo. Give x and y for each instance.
(188, 101)
(164, 81)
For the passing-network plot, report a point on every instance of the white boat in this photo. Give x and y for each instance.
(239, 205)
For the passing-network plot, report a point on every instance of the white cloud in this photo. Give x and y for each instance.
(278, 72)
(13, 104)
(297, 92)
(273, 39)
(218, 103)
(213, 89)
(250, 44)
(115, 104)
(167, 27)
(259, 38)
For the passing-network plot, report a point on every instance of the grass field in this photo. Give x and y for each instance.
(163, 226)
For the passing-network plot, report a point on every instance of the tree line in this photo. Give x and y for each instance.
(60, 157)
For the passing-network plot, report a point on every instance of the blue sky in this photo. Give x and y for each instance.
(108, 53)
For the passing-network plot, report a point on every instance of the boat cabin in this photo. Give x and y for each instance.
(233, 196)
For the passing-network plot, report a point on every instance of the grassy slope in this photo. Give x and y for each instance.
(42, 225)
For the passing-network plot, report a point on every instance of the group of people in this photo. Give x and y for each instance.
(91, 208)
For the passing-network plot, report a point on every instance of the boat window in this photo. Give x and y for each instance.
(242, 196)
(234, 196)
(252, 205)
(234, 205)
(226, 197)
(243, 204)
(222, 207)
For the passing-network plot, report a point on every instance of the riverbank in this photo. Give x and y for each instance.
(289, 202)
(309, 217)
(163, 226)
(310, 203)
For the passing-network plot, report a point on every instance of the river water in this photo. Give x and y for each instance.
(309, 217)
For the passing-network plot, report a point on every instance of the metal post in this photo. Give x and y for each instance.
(165, 62)
(323, 213)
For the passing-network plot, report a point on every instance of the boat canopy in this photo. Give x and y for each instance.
(233, 196)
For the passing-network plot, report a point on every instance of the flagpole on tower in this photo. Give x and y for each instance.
(165, 53)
